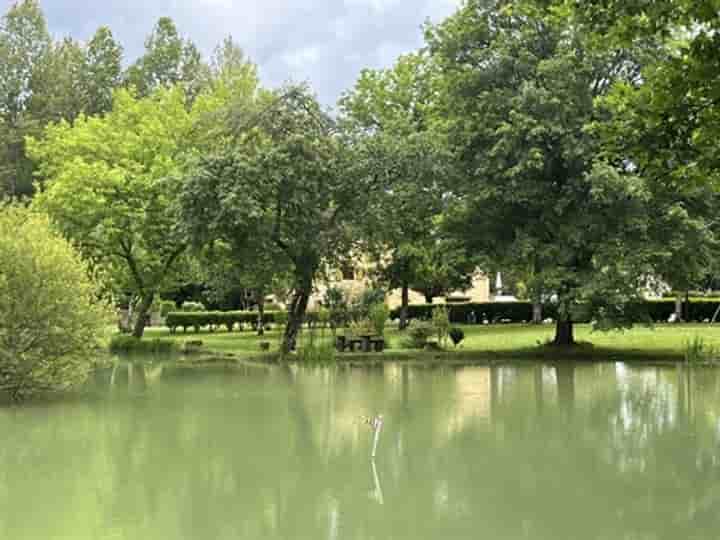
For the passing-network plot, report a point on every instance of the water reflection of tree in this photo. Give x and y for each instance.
(276, 455)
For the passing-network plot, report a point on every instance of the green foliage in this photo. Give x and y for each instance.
(363, 304)
(519, 93)
(169, 60)
(192, 306)
(520, 312)
(317, 352)
(493, 312)
(166, 307)
(441, 324)
(102, 72)
(110, 184)
(123, 344)
(214, 320)
(51, 317)
(24, 44)
(419, 334)
(379, 315)
(457, 335)
(336, 302)
(697, 350)
(284, 186)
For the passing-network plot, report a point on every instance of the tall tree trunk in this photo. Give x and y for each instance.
(142, 312)
(564, 334)
(296, 316)
(405, 302)
(261, 312)
(428, 298)
(537, 312)
(686, 311)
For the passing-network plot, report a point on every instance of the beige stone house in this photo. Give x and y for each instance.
(355, 280)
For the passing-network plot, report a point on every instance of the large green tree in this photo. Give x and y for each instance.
(520, 86)
(24, 45)
(285, 184)
(390, 114)
(110, 184)
(169, 60)
(58, 84)
(102, 72)
(666, 126)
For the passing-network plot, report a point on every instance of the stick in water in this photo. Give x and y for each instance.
(377, 424)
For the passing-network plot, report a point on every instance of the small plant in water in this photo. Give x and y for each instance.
(697, 350)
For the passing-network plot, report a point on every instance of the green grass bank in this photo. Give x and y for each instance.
(662, 342)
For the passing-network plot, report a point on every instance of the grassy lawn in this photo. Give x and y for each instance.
(661, 342)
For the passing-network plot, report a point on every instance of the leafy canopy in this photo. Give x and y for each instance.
(51, 314)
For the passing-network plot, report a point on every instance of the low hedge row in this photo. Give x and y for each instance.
(518, 312)
(470, 313)
(214, 320)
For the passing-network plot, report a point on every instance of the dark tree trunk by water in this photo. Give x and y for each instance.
(141, 315)
(405, 302)
(296, 317)
(564, 334)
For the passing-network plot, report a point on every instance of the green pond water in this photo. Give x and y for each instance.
(579, 452)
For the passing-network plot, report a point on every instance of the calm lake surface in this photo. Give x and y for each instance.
(573, 452)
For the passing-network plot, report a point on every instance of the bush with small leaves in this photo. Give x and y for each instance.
(379, 315)
(418, 335)
(51, 319)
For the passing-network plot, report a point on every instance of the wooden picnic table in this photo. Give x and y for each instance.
(365, 343)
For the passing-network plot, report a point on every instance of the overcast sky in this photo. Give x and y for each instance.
(324, 42)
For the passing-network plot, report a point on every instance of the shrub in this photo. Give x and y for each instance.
(317, 352)
(697, 350)
(336, 302)
(378, 317)
(457, 335)
(51, 318)
(166, 307)
(360, 308)
(213, 320)
(122, 344)
(418, 335)
(700, 309)
(441, 323)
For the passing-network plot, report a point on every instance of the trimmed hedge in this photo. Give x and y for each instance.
(519, 312)
(494, 312)
(214, 320)
(122, 344)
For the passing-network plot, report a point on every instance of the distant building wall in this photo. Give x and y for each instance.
(353, 288)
